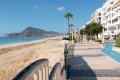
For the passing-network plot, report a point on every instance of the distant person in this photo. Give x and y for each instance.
(88, 38)
(81, 38)
(76, 39)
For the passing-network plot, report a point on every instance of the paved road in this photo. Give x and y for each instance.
(88, 63)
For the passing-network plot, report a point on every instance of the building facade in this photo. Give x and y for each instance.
(109, 16)
(96, 16)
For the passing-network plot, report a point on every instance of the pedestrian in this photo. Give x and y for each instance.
(88, 38)
(81, 38)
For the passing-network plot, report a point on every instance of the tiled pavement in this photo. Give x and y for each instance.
(88, 63)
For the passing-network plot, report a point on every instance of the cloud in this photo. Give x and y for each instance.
(61, 8)
(42, 6)
(35, 7)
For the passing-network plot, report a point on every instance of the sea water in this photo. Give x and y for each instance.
(7, 40)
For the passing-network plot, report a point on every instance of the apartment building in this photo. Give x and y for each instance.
(96, 17)
(109, 16)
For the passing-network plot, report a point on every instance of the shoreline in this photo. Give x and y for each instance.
(26, 42)
(23, 39)
(4, 48)
(15, 60)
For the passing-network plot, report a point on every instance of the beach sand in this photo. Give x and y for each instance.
(15, 57)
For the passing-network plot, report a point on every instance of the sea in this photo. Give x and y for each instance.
(8, 40)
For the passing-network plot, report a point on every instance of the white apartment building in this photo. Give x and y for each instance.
(109, 16)
(96, 16)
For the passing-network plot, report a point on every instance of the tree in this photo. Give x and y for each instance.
(86, 30)
(93, 29)
(98, 28)
(81, 32)
(68, 16)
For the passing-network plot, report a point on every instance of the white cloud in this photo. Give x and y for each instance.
(42, 6)
(35, 7)
(61, 8)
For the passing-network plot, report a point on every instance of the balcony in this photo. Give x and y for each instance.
(118, 7)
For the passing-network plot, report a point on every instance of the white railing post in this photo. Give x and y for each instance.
(40, 74)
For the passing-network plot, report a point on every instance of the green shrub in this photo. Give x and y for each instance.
(99, 41)
(67, 38)
(118, 35)
(117, 42)
(93, 39)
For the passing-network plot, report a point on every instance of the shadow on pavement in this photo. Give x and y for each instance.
(77, 67)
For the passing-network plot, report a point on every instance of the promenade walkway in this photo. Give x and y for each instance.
(88, 63)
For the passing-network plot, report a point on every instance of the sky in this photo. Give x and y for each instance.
(16, 15)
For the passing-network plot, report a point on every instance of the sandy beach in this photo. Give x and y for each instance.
(15, 57)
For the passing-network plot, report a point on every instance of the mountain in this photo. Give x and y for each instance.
(33, 32)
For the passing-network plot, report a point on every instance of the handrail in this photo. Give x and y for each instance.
(33, 70)
(69, 44)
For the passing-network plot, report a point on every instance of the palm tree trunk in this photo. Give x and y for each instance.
(69, 26)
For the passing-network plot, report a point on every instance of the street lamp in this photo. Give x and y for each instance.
(71, 25)
(72, 34)
(103, 37)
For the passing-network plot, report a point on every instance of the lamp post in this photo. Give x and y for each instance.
(72, 34)
(71, 25)
(103, 37)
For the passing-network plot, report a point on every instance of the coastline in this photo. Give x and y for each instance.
(20, 43)
(4, 48)
(19, 55)
(11, 40)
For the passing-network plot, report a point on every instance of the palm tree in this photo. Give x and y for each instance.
(70, 27)
(68, 16)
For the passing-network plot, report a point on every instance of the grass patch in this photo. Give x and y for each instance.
(67, 38)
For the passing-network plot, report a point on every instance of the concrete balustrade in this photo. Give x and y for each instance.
(58, 73)
(39, 70)
(63, 74)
